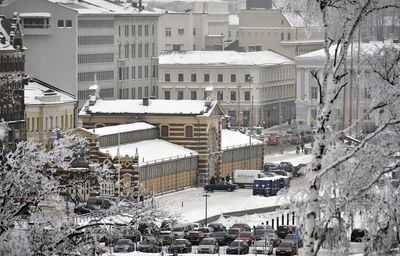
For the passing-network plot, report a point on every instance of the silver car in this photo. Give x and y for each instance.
(262, 247)
(208, 245)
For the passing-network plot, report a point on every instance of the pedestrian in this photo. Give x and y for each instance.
(212, 180)
(222, 179)
(227, 178)
(302, 147)
(297, 149)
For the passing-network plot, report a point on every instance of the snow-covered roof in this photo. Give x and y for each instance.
(115, 129)
(100, 7)
(160, 107)
(35, 14)
(150, 150)
(366, 48)
(234, 20)
(6, 46)
(39, 93)
(222, 58)
(231, 139)
(294, 19)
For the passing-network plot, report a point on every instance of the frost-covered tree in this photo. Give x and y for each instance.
(348, 184)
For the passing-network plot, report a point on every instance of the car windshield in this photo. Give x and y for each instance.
(261, 243)
(233, 232)
(204, 230)
(244, 235)
(123, 242)
(285, 244)
(179, 241)
(206, 242)
(260, 231)
(235, 243)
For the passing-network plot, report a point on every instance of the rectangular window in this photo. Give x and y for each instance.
(288, 36)
(206, 77)
(193, 95)
(146, 91)
(180, 31)
(95, 58)
(133, 30)
(194, 31)
(133, 50)
(133, 95)
(139, 30)
(220, 78)
(247, 95)
(314, 93)
(168, 32)
(146, 50)
(282, 36)
(126, 51)
(167, 77)
(133, 72)
(247, 78)
(95, 40)
(119, 52)
(193, 77)
(167, 95)
(153, 49)
(68, 23)
(140, 94)
(119, 30)
(180, 95)
(60, 23)
(180, 77)
(146, 71)
(152, 30)
(37, 124)
(233, 95)
(140, 50)
(126, 30)
(146, 30)
(140, 74)
(233, 77)
(220, 95)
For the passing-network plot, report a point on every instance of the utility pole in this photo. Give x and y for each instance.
(251, 128)
(238, 112)
(280, 120)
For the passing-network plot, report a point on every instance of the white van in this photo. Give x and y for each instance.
(245, 178)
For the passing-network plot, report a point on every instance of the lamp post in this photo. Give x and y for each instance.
(205, 220)
(119, 167)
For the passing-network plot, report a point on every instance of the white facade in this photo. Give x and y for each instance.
(266, 77)
(351, 105)
(271, 29)
(70, 42)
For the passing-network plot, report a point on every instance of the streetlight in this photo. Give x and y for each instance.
(206, 195)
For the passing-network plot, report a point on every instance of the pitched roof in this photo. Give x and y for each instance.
(37, 92)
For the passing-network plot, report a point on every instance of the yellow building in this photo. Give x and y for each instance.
(47, 109)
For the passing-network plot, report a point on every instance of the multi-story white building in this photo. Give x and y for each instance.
(203, 21)
(237, 77)
(274, 29)
(71, 43)
(354, 100)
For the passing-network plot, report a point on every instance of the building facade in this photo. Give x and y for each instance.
(47, 109)
(265, 78)
(12, 79)
(73, 43)
(276, 30)
(195, 125)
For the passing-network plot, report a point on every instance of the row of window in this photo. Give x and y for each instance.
(131, 30)
(181, 31)
(206, 78)
(164, 131)
(138, 72)
(220, 95)
(268, 34)
(104, 93)
(100, 76)
(96, 23)
(51, 122)
(95, 58)
(95, 40)
(38, 22)
(131, 51)
(64, 23)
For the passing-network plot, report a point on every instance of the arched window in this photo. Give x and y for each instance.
(188, 131)
(164, 130)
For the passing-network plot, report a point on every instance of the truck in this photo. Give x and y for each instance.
(245, 178)
(269, 186)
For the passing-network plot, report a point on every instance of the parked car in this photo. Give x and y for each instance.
(100, 202)
(233, 233)
(286, 229)
(287, 166)
(238, 247)
(195, 236)
(246, 236)
(222, 237)
(132, 234)
(166, 237)
(263, 247)
(242, 226)
(149, 244)
(167, 224)
(181, 246)
(223, 185)
(358, 235)
(180, 230)
(261, 233)
(124, 245)
(208, 245)
(292, 237)
(286, 247)
(148, 228)
(208, 231)
(217, 226)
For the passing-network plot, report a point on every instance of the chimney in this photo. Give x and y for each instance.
(145, 101)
